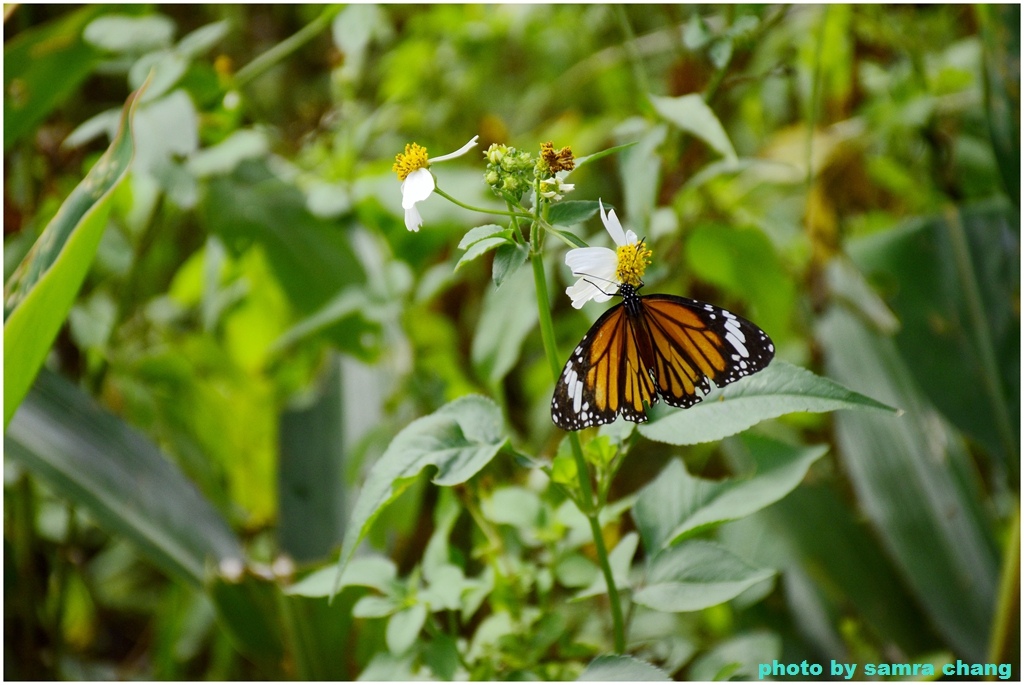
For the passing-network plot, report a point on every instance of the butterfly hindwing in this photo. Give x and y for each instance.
(693, 342)
(651, 346)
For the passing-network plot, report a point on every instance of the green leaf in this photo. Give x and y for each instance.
(124, 33)
(373, 606)
(777, 390)
(458, 439)
(696, 575)
(249, 607)
(692, 114)
(737, 658)
(915, 481)
(572, 212)
(95, 460)
(403, 628)
(570, 236)
(368, 571)
(509, 316)
(952, 281)
(615, 667)
(475, 235)
(507, 260)
(44, 66)
(481, 247)
(590, 159)
(41, 291)
(676, 505)
(1000, 42)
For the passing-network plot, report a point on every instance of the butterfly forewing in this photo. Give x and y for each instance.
(651, 346)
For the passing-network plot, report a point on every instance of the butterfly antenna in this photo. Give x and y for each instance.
(587, 277)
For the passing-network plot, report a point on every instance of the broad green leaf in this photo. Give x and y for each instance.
(481, 247)
(915, 481)
(311, 440)
(640, 172)
(458, 439)
(696, 575)
(475, 235)
(404, 627)
(590, 159)
(514, 506)
(692, 114)
(43, 66)
(368, 571)
(40, 293)
(1000, 41)
(616, 667)
(777, 390)
(737, 658)
(249, 606)
(96, 461)
(931, 270)
(572, 212)
(445, 589)
(203, 38)
(509, 316)
(507, 260)
(676, 505)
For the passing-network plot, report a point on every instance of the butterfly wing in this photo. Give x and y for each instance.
(691, 342)
(605, 376)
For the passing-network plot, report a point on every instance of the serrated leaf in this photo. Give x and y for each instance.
(507, 260)
(777, 390)
(475, 235)
(572, 212)
(41, 291)
(696, 575)
(617, 667)
(676, 505)
(458, 439)
(479, 248)
(692, 114)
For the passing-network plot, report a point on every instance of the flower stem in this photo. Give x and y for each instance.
(482, 210)
(588, 507)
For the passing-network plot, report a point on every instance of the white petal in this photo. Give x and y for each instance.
(583, 291)
(592, 261)
(458, 153)
(611, 223)
(417, 187)
(413, 220)
(630, 237)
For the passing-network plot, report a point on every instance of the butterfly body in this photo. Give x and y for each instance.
(651, 346)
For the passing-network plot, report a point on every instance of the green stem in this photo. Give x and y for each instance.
(272, 57)
(1007, 614)
(547, 333)
(482, 210)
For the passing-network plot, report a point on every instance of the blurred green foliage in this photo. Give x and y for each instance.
(256, 326)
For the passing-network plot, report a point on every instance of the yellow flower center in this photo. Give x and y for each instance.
(414, 157)
(633, 260)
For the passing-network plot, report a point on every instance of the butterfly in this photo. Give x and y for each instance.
(651, 346)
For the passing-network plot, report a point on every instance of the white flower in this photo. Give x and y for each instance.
(601, 270)
(554, 188)
(417, 181)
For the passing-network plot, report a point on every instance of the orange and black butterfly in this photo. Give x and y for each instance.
(651, 346)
